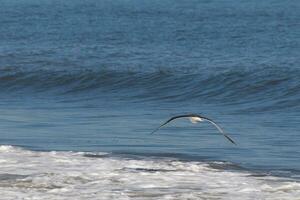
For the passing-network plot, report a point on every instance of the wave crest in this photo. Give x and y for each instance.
(279, 86)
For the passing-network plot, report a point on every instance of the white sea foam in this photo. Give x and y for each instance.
(27, 174)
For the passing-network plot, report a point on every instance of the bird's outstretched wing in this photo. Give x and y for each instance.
(171, 119)
(201, 117)
(219, 128)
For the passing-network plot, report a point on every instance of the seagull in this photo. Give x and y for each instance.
(194, 118)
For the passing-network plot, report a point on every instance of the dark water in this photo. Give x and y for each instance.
(101, 75)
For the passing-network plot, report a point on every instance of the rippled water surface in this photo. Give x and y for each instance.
(98, 76)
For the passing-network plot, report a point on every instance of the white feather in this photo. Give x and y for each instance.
(195, 120)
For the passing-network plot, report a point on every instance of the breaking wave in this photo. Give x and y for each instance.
(80, 175)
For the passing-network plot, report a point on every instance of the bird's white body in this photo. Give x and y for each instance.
(195, 120)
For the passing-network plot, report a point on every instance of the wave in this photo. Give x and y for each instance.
(69, 175)
(278, 86)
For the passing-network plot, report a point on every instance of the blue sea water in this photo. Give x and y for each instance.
(99, 76)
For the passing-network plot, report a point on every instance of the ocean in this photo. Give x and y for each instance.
(83, 83)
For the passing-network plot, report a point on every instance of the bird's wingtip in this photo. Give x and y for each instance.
(153, 131)
(231, 140)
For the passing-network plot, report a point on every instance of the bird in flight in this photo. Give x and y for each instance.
(194, 118)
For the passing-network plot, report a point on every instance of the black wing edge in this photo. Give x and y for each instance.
(231, 140)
